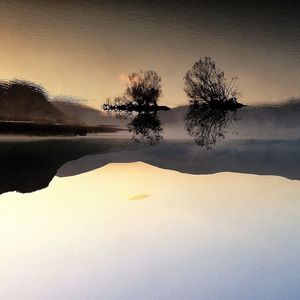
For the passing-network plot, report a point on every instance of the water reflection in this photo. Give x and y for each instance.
(259, 157)
(268, 144)
(139, 103)
(83, 236)
(144, 125)
(208, 125)
(28, 166)
(146, 128)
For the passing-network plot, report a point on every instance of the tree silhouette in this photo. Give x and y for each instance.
(207, 125)
(142, 93)
(205, 83)
(144, 88)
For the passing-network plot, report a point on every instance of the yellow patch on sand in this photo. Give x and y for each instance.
(138, 197)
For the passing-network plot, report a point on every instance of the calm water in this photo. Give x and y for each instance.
(129, 230)
(211, 213)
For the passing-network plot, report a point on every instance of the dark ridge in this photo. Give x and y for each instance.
(80, 113)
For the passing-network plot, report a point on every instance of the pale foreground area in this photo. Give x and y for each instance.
(133, 231)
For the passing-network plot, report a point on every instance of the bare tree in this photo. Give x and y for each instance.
(144, 88)
(206, 84)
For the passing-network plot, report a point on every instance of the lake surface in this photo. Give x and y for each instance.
(127, 221)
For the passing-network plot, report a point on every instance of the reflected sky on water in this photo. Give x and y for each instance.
(109, 234)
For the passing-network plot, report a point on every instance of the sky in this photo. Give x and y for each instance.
(85, 49)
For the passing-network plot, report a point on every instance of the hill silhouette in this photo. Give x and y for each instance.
(78, 112)
(27, 165)
(260, 157)
(25, 101)
(26, 110)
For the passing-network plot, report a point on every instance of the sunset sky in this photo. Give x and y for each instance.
(85, 48)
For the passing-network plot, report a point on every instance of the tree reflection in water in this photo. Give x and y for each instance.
(208, 125)
(145, 125)
(146, 128)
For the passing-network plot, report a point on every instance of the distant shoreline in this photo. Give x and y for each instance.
(49, 129)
